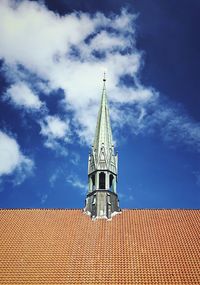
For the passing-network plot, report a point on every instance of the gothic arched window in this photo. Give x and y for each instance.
(102, 180)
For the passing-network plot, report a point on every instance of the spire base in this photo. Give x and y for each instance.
(102, 204)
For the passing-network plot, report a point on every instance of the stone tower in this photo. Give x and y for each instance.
(102, 200)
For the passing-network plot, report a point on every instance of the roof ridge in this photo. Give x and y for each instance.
(41, 209)
(79, 209)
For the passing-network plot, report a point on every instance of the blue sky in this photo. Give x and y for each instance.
(52, 58)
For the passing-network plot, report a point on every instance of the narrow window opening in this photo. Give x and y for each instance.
(111, 177)
(102, 181)
(93, 182)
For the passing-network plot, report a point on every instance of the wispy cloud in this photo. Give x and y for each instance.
(128, 195)
(75, 158)
(44, 197)
(54, 177)
(74, 180)
(161, 117)
(170, 121)
(197, 176)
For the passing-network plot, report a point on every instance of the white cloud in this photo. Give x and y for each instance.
(62, 53)
(123, 22)
(105, 41)
(12, 159)
(46, 44)
(21, 95)
(57, 133)
(53, 126)
(34, 36)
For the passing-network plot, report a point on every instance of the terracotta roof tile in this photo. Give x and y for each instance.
(67, 247)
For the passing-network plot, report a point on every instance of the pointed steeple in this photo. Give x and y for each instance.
(103, 134)
(102, 200)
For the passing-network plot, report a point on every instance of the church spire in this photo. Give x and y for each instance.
(102, 199)
(103, 134)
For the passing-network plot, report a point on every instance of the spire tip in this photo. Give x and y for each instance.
(104, 77)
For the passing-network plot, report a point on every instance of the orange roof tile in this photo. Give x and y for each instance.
(67, 247)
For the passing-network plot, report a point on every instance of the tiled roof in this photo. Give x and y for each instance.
(67, 247)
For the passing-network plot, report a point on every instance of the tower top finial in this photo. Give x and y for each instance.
(104, 76)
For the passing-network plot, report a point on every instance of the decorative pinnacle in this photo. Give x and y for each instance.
(104, 76)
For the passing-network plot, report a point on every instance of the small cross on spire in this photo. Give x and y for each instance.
(104, 76)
